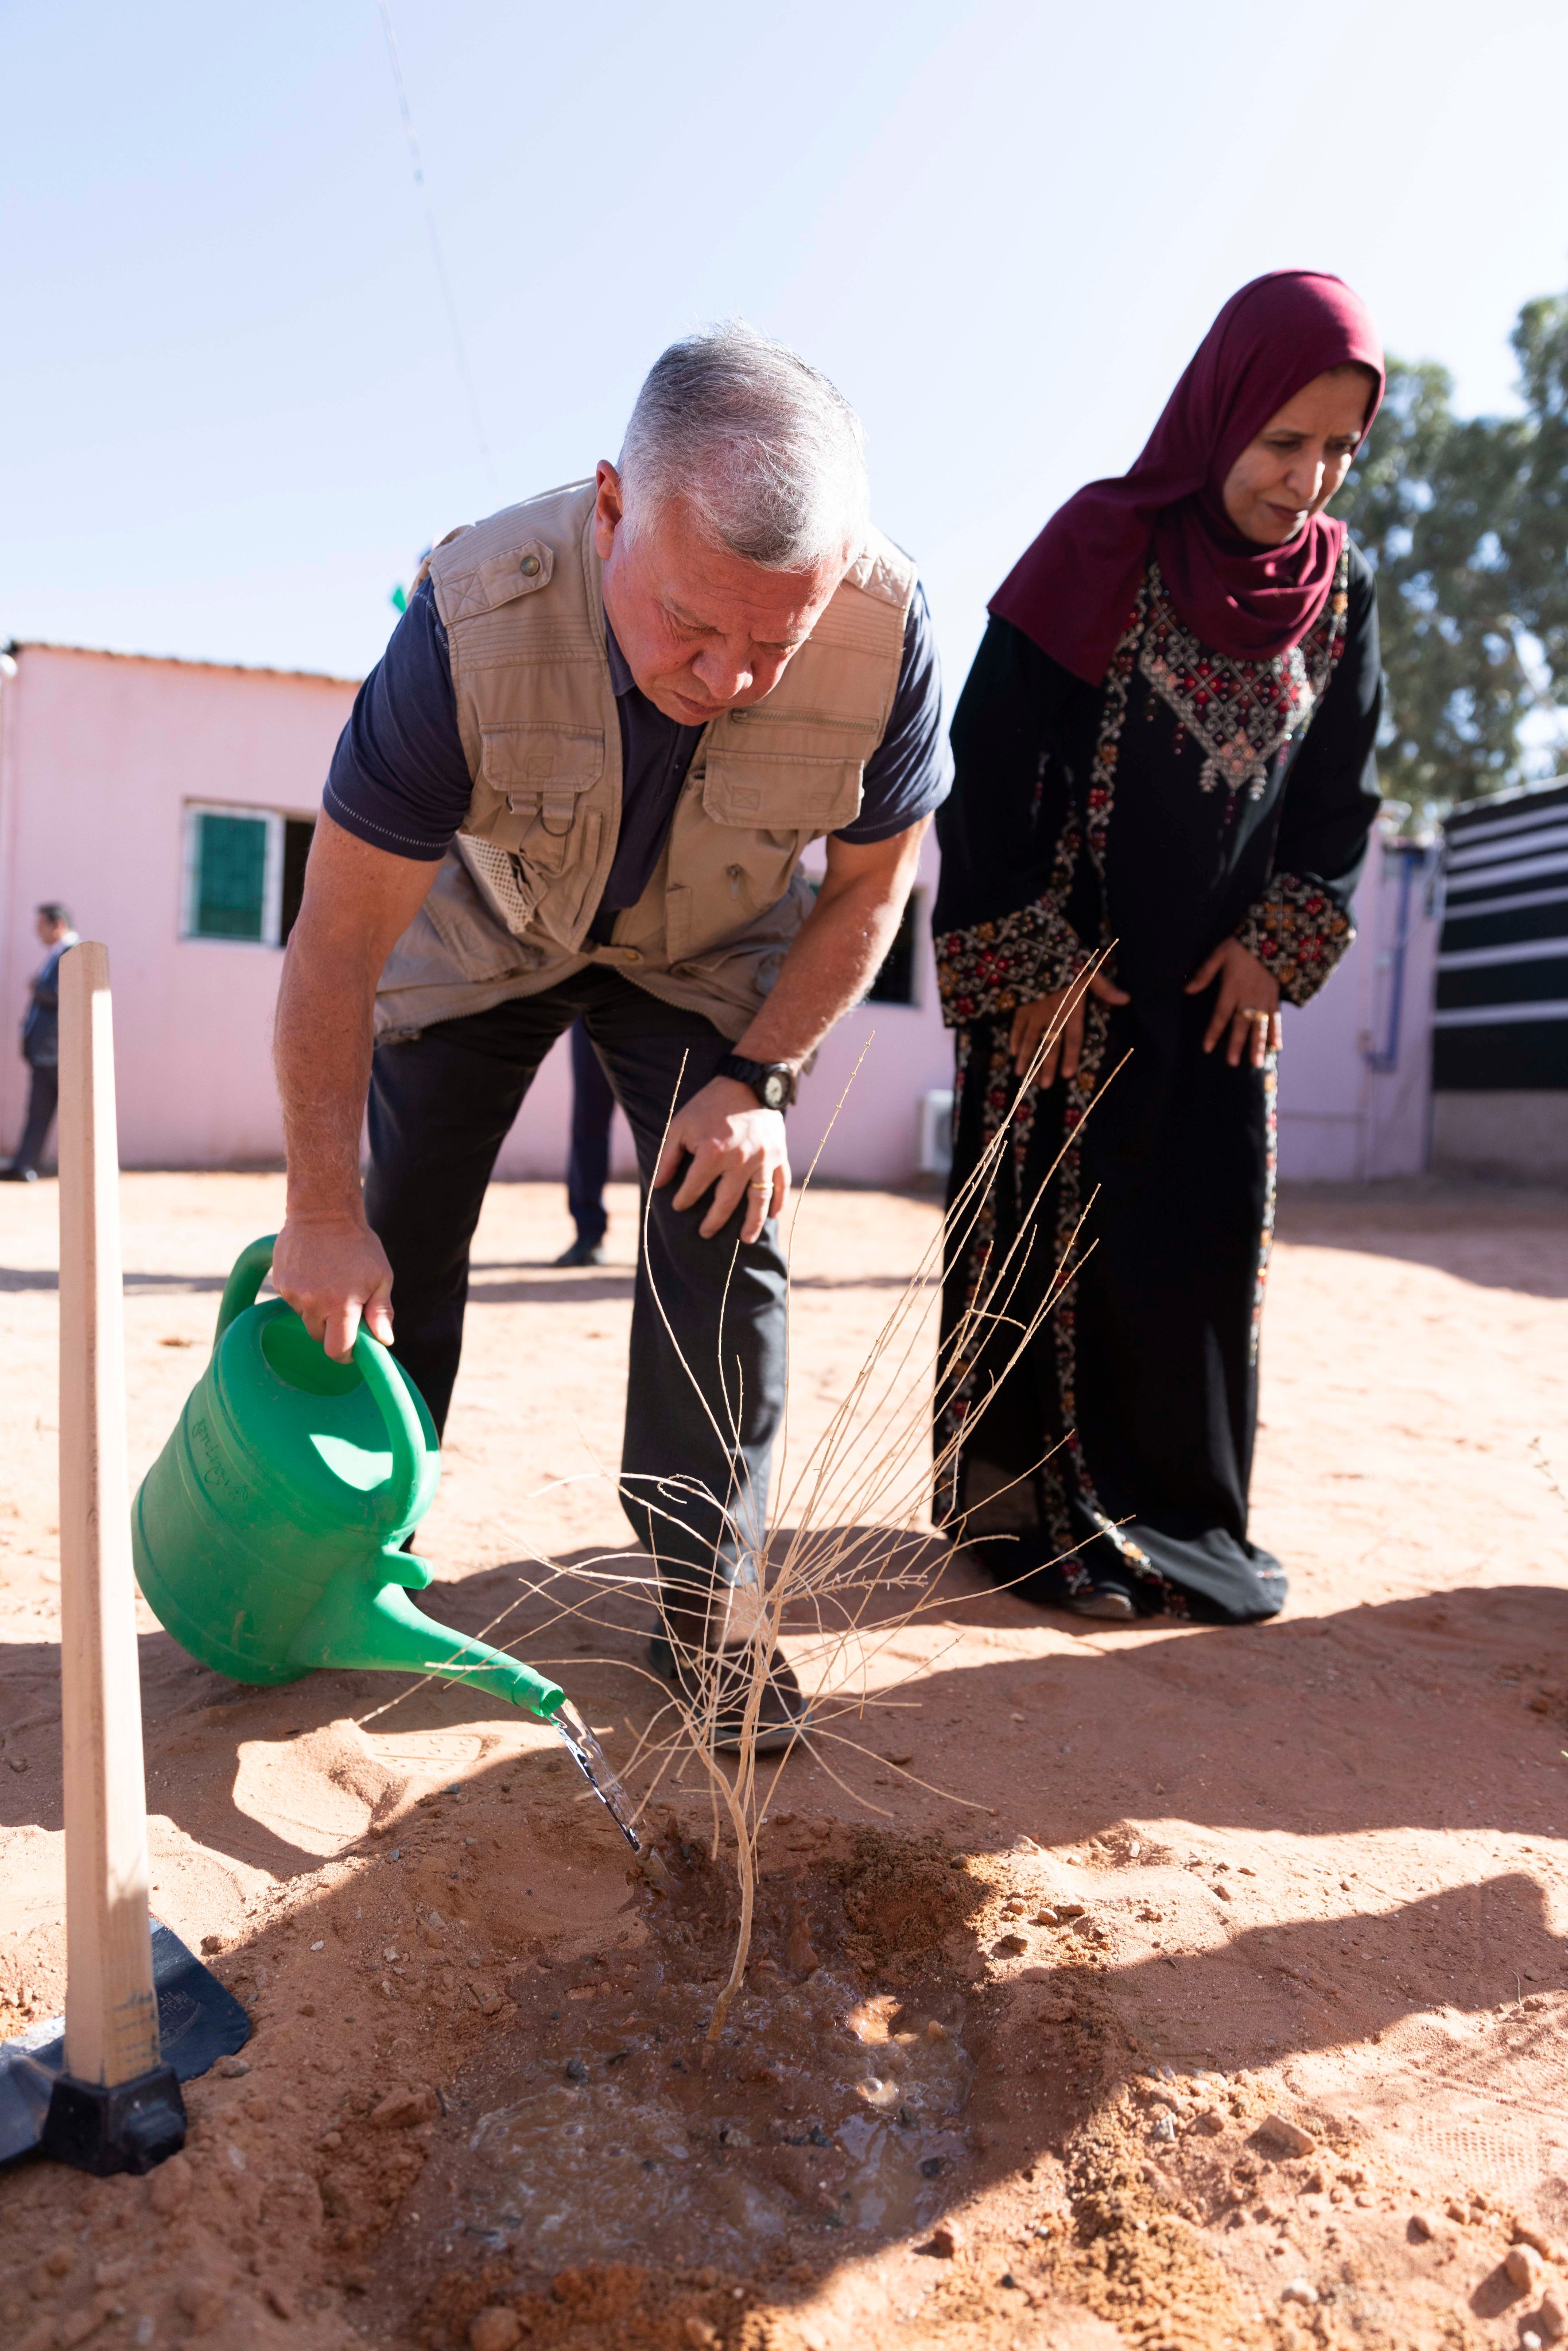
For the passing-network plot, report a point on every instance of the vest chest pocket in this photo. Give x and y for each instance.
(779, 796)
(758, 812)
(540, 772)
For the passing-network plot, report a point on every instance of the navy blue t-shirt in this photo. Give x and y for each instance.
(399, 779)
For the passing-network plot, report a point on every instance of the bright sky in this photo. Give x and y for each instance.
(232, 411)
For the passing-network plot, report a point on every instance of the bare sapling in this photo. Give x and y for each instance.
(843, 1561)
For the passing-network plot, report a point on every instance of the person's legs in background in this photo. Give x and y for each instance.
(42, 1097)
(588, 1165)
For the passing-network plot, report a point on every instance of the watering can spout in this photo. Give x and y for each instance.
(368, 1626)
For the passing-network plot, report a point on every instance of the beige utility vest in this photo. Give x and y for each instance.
(509, 910)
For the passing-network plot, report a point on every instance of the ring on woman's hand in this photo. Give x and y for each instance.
(760, 1183)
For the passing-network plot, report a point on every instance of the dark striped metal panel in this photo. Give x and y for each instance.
(1501, 1017)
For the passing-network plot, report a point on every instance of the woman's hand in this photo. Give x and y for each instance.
(1247, 1003)
(1033, 1021)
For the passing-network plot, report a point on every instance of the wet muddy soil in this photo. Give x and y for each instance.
(833, 2114)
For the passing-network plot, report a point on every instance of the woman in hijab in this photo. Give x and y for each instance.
(1165, 782)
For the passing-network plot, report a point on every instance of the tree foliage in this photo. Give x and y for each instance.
(1465, 521)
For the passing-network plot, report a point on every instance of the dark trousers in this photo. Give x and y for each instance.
(699, 1434)
(587, 1165)
(42, 1097)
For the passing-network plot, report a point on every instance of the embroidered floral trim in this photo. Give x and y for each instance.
(1240, 714)
(994, 967)
(1270, 1197)
(1067, 1465)
(957, 1379)
(1297, 932)
(1080, 1091)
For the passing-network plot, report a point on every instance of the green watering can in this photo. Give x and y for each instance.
(266, 1533)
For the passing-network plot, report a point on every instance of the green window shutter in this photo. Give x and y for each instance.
(230, 876)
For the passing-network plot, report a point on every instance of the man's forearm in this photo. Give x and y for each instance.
(830, 965)
(358, 902)
(323, 1057)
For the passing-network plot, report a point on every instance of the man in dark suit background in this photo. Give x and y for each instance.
(41, 1044)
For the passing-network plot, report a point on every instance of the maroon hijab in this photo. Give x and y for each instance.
(1072, 592)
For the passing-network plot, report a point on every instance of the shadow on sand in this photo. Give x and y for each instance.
(1413, 1714)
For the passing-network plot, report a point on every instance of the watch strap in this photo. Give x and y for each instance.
(755, 1074)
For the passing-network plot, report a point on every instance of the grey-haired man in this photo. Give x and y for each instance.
(579, 786)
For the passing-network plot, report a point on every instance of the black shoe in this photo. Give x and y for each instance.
(1031, 1569)
(582, 1253)
(18, 1175)
(1112, 1602)
(785, 1715)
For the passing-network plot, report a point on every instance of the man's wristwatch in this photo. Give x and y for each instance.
(773, 1083)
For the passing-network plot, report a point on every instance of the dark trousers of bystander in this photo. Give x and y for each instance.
(588, 1163)
(43, 1095)
(695, 1465)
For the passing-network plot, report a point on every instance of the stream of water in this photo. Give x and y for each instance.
(589, 1757)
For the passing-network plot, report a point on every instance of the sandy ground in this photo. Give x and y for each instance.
(1030, 2000)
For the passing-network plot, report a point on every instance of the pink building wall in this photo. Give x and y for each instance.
(101, 753)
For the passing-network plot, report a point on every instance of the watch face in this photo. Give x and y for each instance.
(775, 1090)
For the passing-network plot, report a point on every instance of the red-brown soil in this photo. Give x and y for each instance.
(1008, 2065)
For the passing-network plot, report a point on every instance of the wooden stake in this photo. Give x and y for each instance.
(111, 2010)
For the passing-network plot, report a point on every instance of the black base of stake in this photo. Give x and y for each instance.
(200, 2023)
(130, 2127)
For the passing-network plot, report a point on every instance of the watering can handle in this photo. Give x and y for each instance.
(396, 1407)
(251, 1269)
(374, 1365)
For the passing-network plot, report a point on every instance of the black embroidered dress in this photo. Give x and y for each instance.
(1187, 798)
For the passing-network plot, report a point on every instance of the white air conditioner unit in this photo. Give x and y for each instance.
(933, 1132)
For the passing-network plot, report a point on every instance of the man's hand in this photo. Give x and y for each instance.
(735, 1144)
(830, 963)
(1247, 1003)
(1033, 1021)
(332, 1270)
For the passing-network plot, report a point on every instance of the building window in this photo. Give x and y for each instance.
(230, 876)
(894, 981)
(244, 874)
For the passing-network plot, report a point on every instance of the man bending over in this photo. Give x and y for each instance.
(577, 786)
